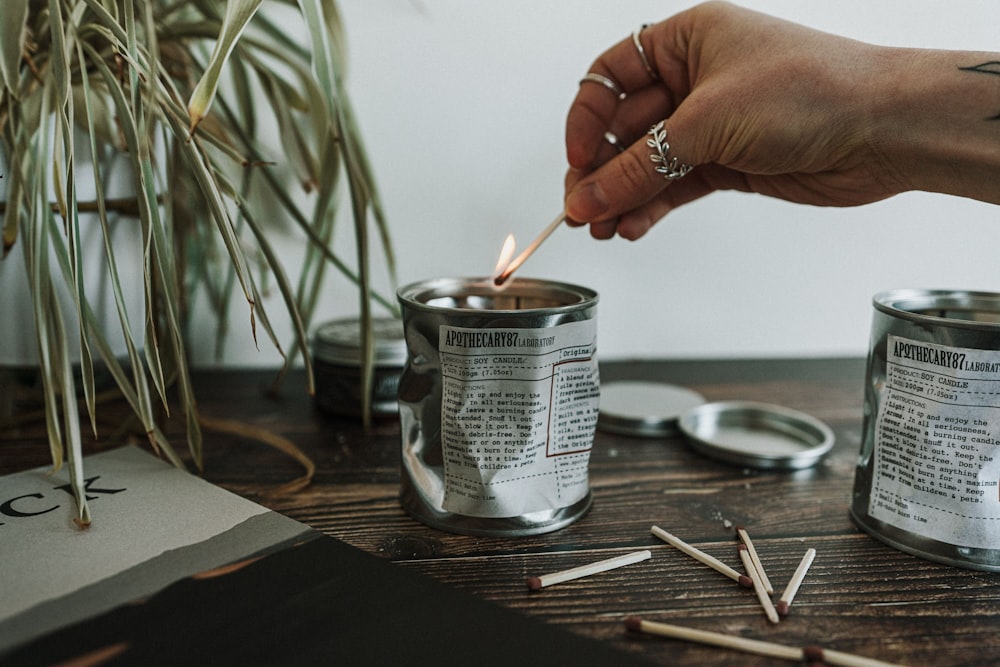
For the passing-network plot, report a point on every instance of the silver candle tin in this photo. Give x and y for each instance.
(337, 356)
(927, 475)
(498, 404)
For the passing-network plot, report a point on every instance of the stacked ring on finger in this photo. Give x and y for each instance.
(642, 52)
(610, 84)
(671, 168)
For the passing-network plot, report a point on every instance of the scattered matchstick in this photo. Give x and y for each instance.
(702, 557)
(755, 646)
(758, 585)
(536, 583)
(745, 538)
(793, 585)
(530, 250)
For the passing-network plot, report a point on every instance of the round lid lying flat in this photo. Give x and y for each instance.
(757, 435)
(648, 409)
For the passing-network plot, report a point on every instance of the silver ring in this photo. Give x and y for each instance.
(671, 168)
(612, 139)
(604, 81)
(642, 53)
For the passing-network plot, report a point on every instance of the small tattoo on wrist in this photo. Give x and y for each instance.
(991, 67)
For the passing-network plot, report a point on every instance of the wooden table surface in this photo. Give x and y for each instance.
(860, 596)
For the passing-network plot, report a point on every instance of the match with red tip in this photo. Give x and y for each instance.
(633, 624)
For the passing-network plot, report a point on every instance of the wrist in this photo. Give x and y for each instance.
(935, 121)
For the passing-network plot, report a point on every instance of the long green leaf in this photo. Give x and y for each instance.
(12, 32)
(16, 156)
(198, 162)
(71, 418)
(143, 404)
(65, 189)
(323, 30)
(159, 260)
(159, 272)
(40, 281)
(283, 284)
(73, 242)
(147, 205)
(238, 15)
(60, 69)
(156, 436)
(366, 179)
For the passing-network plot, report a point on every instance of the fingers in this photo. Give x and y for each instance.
(610, 168)
(634, 223)
(599, 230)
(633, 119)
(627, 180)
(603, 230)
(597, 104)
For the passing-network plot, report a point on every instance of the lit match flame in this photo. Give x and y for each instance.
(506, 254)
(507, 266)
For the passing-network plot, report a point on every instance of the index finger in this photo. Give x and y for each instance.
(594, 108)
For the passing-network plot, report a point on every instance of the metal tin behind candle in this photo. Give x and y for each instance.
(498, 404)
(927, 476)
(336, 350)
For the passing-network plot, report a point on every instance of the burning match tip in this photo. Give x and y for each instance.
(500, 280)
(534, 583)
(813, 654)
(633, 624)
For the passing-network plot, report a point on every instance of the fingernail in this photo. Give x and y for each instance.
(587, 203)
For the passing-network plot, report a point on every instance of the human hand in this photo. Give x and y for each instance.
(754, 103)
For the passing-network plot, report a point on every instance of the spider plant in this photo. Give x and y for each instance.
(189, 91)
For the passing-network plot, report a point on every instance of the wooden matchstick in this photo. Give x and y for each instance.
(530, 250)
(758, 585)
(535, 583)
(792, 588)
(702, 557)
(755, 646)
(745, 538)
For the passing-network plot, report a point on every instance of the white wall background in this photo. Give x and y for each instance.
(462, 107)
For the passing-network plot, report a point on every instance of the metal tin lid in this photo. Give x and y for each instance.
(339, 342)
(647, 409)
(757, 435)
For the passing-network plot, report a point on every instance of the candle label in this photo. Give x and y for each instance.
(937, 443)
(518, 414)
